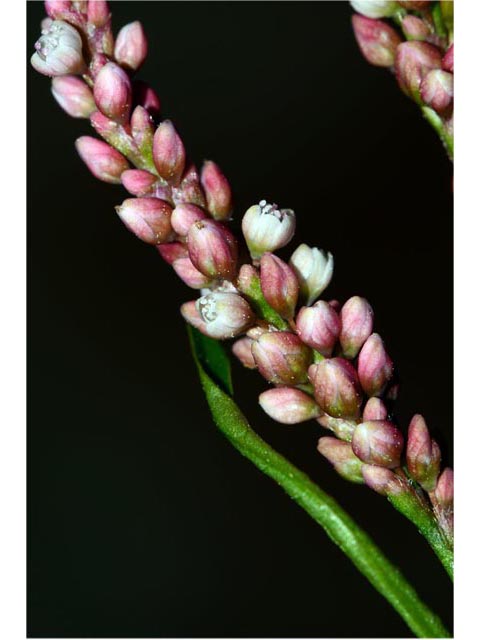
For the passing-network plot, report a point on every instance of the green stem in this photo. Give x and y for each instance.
(437, 123)
(338, 525)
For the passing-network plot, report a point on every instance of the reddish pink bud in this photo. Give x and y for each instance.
(447, 61)
(217, 191)
(413, 60)
(143, 129)
(288, 405)
(131, 46)
(212, 249)
(184, 215)
(377, 40)
(415, 28)
(219, 315)
(106, 163)
(58, 51)
(168, 153)
(437, 90)
(357, 323)
(319, 327)
(113, 92)
(73, 95)
(337, 388)
(444, 488)
(147, 218)
(171, 251)
(344, 461)
(378, 442)
(98, 13)
(282, 358)
(335, 304)
(138, 182)
(242, 349)
(191, 277)
(374, 410)
(190, 190)
(55, 8)
(98, 61)
(279, 285)
(145, 96)
(382, 480)
(423, 454)
(375, 368)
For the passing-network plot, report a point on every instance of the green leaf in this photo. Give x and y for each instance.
(337, 524)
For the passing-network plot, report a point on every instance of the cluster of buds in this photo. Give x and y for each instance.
(323, 360)
(415, 40)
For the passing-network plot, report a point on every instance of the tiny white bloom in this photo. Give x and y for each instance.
(375, 8)
(314, 269)
(59, 50)
(267, 228)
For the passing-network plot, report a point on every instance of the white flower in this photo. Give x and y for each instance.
(267, 228)
(225, 315)
(375, 8)
(314, 269)
(58, 50)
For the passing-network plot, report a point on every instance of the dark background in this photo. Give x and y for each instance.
(143, 520)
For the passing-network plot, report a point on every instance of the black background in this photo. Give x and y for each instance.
(143, 520)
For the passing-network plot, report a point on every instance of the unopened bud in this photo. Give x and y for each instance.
(423, 454)
(267, 228)
(357, 323)
(444, 489)
(147, 218)
(242, 349)
(343, 429)
(337, 389)
(319, 327)
(314, 269)
(288, 405)
(58, 52)
(146, 97)
(382, 480)
(279, 285)
(55, 8)
(437, 90)
(447, 61)
(138, 182)
(131, 46)
(375, 368)
(375, 8)
(171, 251)
(168, 153)
(105, 162)
(374, 410)
(282, 358)
(220, 315)
(212, 249)
(378, 442)
(413, 60)
(377, 40)
(73, 95)
(98, 13)
(217, 191)
(184, 215)
(414, 5)
(191, 277)
(415, 28)
(190, 190)
(341, 456)
(113, 92)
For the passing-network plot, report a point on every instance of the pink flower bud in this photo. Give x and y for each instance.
(423, 454)
(217, 191)
(184, 215)
(98, 13)
(444, 489)
(374, 410)
(212, 249)
(58, 52)
(314, 270)
(138, 182)
(447, 61)
(220, 315)
(279, 285)
(242, 349)
(282, 358)
(267, 228)
(113, 92)
(171, 251)
(192, 277)
(73, 95)
(55, 8)
(288, 405)
(145, 96)
(341, 456)
(337, 389)
(378, 442)
(319, 327)
(168, 153)
(413, 60)
(357, 323)
(377, 40)
(375, 8)
(143, 129)
(375, 367)
(436, 90)
(105, 162)
(382, 480)
(190, 190)
(415, 28)
(147, 218)
(131, 46)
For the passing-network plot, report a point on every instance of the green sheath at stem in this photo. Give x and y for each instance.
(338, 525)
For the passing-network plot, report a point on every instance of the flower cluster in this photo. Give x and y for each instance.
(419, 49)
(323, 360)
